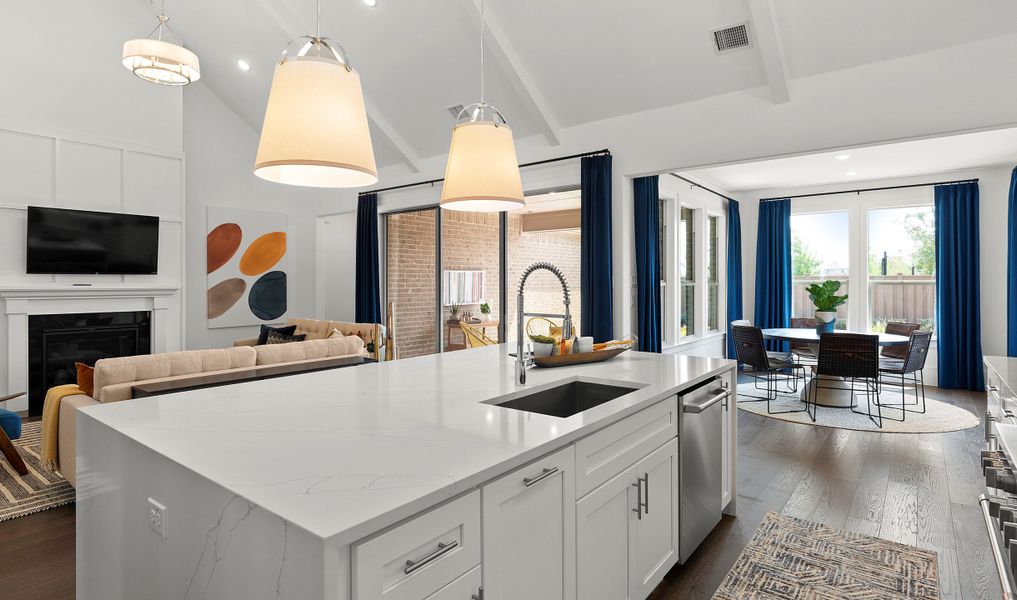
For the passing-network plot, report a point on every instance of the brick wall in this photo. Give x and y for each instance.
(410, 280)
(470, 242)
(543, 291)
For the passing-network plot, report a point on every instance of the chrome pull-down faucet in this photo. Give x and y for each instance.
(566, 327)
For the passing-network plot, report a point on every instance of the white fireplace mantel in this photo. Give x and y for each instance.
(20, 301)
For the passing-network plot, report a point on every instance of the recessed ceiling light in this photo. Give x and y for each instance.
(851, 173)
(843, 156)
(243, 65)
(371, 3)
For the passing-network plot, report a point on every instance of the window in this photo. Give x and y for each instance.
(663, 262)
(712, 274)
(687, 270)
(548, 229)
(819, 252)
(902, 266)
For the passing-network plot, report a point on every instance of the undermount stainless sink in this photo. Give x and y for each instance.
(566, 399)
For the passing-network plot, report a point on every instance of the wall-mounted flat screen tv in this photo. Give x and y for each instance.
(86, 242)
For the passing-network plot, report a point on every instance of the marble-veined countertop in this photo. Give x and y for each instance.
(347, 452)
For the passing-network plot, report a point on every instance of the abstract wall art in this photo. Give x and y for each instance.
(246, 266)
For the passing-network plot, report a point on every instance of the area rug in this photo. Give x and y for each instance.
(37, 491)
(939, 417)
(793, 558)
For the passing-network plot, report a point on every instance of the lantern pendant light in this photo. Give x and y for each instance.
(315, 131)
(482, 174)
(155, 60)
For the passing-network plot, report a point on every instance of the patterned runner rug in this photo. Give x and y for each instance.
(37, 491)
(792, 558)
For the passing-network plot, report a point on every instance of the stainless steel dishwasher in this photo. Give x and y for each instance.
(700, 468)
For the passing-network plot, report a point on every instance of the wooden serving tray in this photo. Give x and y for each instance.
(577, 359)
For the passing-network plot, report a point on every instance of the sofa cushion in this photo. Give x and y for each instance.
(309, 350)
(266, 330)
(123, 391)
(130, 369)
(312, 328)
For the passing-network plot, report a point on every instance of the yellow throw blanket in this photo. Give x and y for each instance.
(51, 423)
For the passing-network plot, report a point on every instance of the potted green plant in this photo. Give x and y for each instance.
(453, 312)
(485, 310)
(824, 297)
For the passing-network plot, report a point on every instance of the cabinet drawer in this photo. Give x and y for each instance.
(466, 587)
(601, 456)
(421, 556)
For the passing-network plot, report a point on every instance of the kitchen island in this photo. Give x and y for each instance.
(403, 480)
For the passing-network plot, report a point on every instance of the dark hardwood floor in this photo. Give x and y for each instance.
(916, 489)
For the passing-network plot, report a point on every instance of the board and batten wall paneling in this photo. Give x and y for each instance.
(83, 174)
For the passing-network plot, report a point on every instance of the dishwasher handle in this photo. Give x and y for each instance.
(702, 405)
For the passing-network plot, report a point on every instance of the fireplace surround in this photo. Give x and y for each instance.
(57, 341)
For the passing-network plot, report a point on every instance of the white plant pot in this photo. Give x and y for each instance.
(825, 320)
(542, 349)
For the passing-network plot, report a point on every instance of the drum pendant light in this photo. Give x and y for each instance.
(482, 174)
(315, 131)
(155, 60)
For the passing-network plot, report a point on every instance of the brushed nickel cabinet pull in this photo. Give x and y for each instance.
(547, 472)
(442, 550)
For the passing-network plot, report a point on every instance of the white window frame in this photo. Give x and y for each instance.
(704, 205)
(858, 207)
(721, 271)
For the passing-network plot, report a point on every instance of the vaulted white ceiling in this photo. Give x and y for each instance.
(553, 64)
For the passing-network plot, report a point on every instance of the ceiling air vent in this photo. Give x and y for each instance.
(455, 109)
(731, 38)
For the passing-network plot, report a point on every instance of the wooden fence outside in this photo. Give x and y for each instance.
(910, 298)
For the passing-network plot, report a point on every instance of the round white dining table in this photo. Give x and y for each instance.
(826, 396)
(809, 336)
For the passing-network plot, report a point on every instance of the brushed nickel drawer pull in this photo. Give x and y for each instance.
(442, 550)
(547, 472)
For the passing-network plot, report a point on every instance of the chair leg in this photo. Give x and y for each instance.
(11, 453)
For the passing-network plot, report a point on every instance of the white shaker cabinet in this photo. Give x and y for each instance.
(627, 529)
(528, 542)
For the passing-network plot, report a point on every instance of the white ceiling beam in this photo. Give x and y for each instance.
(500, 47)
(771, 48)
(283, 15)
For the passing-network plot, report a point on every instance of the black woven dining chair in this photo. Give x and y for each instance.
(847, 360)
(901, 328)
(804, 352)
(896, 372)
(768, 368)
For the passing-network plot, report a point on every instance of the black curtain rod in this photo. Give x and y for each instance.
(702, 187)
(529, 164)
(875, 189)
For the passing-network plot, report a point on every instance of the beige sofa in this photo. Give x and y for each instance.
(316, 329)
(115, 377)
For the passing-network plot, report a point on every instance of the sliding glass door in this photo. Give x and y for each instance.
(411, 279)
(470, 278)
(454, 275)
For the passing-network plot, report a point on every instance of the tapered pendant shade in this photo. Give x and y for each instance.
(482, 174)
(161, 62)
(315, 131)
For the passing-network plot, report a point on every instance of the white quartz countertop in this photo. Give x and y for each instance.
(344, 453)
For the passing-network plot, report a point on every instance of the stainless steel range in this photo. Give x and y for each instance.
(999, 460)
